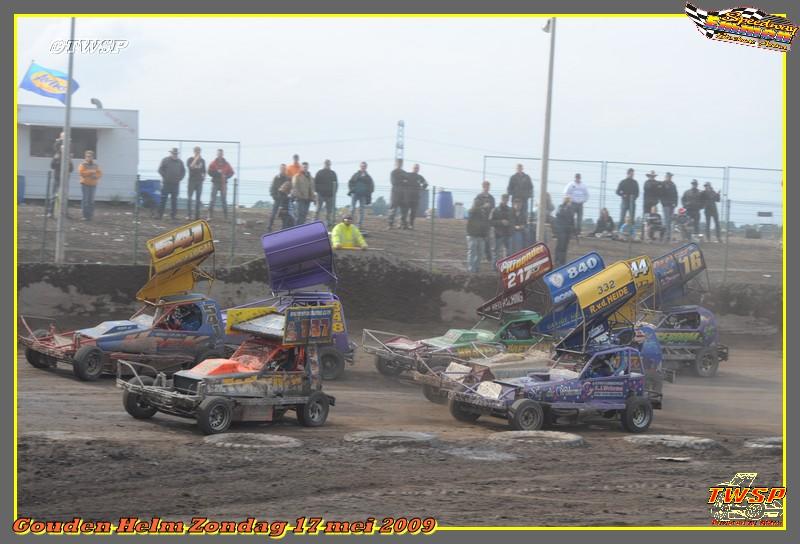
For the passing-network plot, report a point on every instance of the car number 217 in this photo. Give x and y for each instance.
(518, 277)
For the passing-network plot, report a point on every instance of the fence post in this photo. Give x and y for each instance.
(136, 218)
(631, 204)
(233, 217)
(46, 215)
(727, 243)
(433, 217)
(603, 176)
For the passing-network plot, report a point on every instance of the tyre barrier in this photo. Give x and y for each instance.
(538, 438)
(252, 441)
(767, 443)
(677, 441)
(391, 438)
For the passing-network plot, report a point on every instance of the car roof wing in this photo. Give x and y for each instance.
(299, 257)
(520, 278)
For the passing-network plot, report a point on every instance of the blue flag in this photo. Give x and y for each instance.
(47, 82)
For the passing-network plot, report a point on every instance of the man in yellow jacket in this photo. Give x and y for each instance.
(347, 235)
(90, 174)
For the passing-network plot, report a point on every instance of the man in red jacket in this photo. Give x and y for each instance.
(220, 171)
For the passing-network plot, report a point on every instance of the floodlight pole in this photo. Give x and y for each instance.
(66, 160)
(542, 214)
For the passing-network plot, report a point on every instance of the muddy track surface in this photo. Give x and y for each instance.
(81, 454)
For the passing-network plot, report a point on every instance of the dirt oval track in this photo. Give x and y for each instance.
(81, 454)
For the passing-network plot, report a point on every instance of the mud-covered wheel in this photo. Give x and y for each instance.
(134, 404)
(706, 363)
(638, 415)
(460, 411)
(214, 415)
(526, 415)
(387, 367)
(88, 363)
(314, 413)
(435, 394)
(36, 359)
(331, 363)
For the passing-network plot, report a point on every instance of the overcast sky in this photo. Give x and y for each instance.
(627, 89)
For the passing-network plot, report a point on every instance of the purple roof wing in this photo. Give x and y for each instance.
(299, 257)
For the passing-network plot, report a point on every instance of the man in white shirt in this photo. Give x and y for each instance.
(578, 195)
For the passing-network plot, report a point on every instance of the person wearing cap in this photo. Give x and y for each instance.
(710, 199)
(220, 171)
(197, 174)
(578, 194)
(652, 194)
(172, 172)
(692, 200)
(628, 191)
(669, 199)
(303, 192)
(326, 184)
(346, 234)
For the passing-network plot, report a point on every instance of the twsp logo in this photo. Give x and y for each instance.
(745, 26)
(739, 502)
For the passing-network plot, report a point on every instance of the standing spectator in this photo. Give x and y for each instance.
(399, 179)
(347, 235)
(654, 225)
(360, 188)
(477, 234)
(326, 184)
(652, 194)
(220, 171)
(628, 191)
(518, 221)
(197, 174)
(55, 166)
(520, 186)
(283, 203)
(710, 199)
(605, 225)
(500, 218)
(692, 200)
(486, 197)
(277, 182)
(417, 185)
(669, 199)
(90, 173)
(303, 192)
(172, 172)
(578, 195)
(295, 168)
(563, 226)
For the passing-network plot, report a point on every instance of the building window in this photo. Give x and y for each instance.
(43, 141)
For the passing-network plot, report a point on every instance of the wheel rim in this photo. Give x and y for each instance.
(93, 363)
(218, 417)
(529, 418)
(315, 411)
(328, 364)
(141, 403)
(640, 416)
(707, 363)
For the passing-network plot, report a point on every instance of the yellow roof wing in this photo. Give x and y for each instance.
(175, 259)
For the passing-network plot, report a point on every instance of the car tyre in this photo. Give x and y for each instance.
(387, 367)
(706, 363)
(460, 413)
(133, 402)
(637, 415)
(36, 359)
(526, 415)
(88, 363)
(331, 363)
(314, 412)
(435, 394)
(214, 415)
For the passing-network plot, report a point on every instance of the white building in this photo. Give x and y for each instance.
(112, 134)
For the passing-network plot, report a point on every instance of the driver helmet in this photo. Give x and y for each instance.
(681, 211)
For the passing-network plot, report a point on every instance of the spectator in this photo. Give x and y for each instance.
(654, 224)
(486, 197)
(692, 200)
(283, 203)
(197, 174)
(477, 234)
(399, 180)
(295, 168)
(682, 221)
(520, 186)
(417, 185)
(55, 166)
(277, 182)
(518, 221)
(347, 235)
(626, 230)
(360, 188)
(710, 199)
(172, 172)
(652, 194)
(500, 218)
(578, 194)
(90, 174)
(604, 227)
(563, 226)
(628, 191)
(220, 171)
(669, 199)
(326, 185)
(303, 192)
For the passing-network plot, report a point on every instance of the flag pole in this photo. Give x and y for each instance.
(63, 193)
